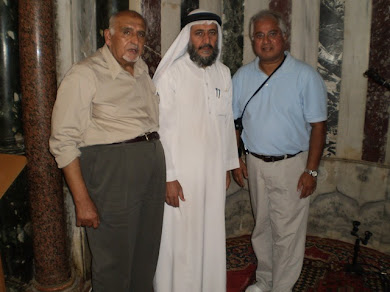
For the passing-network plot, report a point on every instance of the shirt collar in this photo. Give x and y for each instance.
(257, 60)
(115, 68)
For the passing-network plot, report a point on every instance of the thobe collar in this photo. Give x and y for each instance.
(194, 66)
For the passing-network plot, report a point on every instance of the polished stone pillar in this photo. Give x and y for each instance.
(283, 7)
(38, 82)
(187, 6)
(233, 28)
(376, 125)
(104, 9)
(331, 52)
(11, 139)
(151, 10)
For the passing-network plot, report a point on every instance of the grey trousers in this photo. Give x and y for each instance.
(127, 184)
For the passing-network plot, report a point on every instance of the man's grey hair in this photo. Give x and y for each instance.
(267, 14)
(111, 22)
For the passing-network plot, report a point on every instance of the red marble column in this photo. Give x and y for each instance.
(378, 101)
(38, 82)
(284, 7)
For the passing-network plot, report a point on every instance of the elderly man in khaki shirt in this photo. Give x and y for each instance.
(104, 137)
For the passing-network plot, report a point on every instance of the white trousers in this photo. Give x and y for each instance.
(279, 234)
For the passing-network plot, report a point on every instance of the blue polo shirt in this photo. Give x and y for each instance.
(277, 120)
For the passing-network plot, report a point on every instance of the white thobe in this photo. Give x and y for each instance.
(197, 132)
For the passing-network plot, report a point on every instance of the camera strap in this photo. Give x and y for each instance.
(261, 86)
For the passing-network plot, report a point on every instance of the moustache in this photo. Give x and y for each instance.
(206, 46)
(133, 47)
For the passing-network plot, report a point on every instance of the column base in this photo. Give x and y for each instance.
(74, 284)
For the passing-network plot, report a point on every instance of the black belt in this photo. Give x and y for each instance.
(273, 158)
(144, 137)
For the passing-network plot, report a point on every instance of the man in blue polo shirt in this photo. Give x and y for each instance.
(284, 126)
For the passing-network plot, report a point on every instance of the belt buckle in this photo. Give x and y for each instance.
(146, 136)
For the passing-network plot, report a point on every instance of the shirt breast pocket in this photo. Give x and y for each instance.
(223, 102)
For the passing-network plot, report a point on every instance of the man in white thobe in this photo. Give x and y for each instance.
(198, 136)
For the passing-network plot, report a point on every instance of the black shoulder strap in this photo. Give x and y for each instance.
(258, 89)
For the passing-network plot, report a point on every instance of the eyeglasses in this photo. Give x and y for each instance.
(272, 35)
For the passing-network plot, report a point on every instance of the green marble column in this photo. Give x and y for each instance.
(16, 234)
(233, 28)
(187, 6)
(104, 9)
(11, 139)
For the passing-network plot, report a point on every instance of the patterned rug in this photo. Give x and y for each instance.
(324, 267)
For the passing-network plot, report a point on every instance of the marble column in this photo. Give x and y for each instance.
(353, 85)
(38, 79)
(233, 28)
(104, 9)
(330, 58)
(187, 6)
(305, 19)
(151, 10)
(376, 127)
(284, 7)
(170, 23)
(11, 139)
(251, 7)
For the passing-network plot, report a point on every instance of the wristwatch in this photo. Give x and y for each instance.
(313, 173)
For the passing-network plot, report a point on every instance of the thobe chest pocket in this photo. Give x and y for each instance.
(222, 102)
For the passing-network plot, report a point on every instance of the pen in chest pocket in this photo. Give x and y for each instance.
(217, 92)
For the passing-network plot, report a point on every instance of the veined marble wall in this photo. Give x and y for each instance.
(331, 33)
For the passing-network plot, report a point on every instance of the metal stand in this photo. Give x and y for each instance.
(355, 267)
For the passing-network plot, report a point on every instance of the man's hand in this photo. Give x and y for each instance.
(173, 192)
(240, 173)
(87, 214)
(306, 185)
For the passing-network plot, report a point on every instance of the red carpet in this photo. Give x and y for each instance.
(323, 268)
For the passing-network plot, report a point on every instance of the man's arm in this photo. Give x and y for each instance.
(168, 132)
(307, 184)
(240, 173)
(86, 211)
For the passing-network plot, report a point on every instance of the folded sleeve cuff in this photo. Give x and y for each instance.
(232, 164)
(65, 158)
